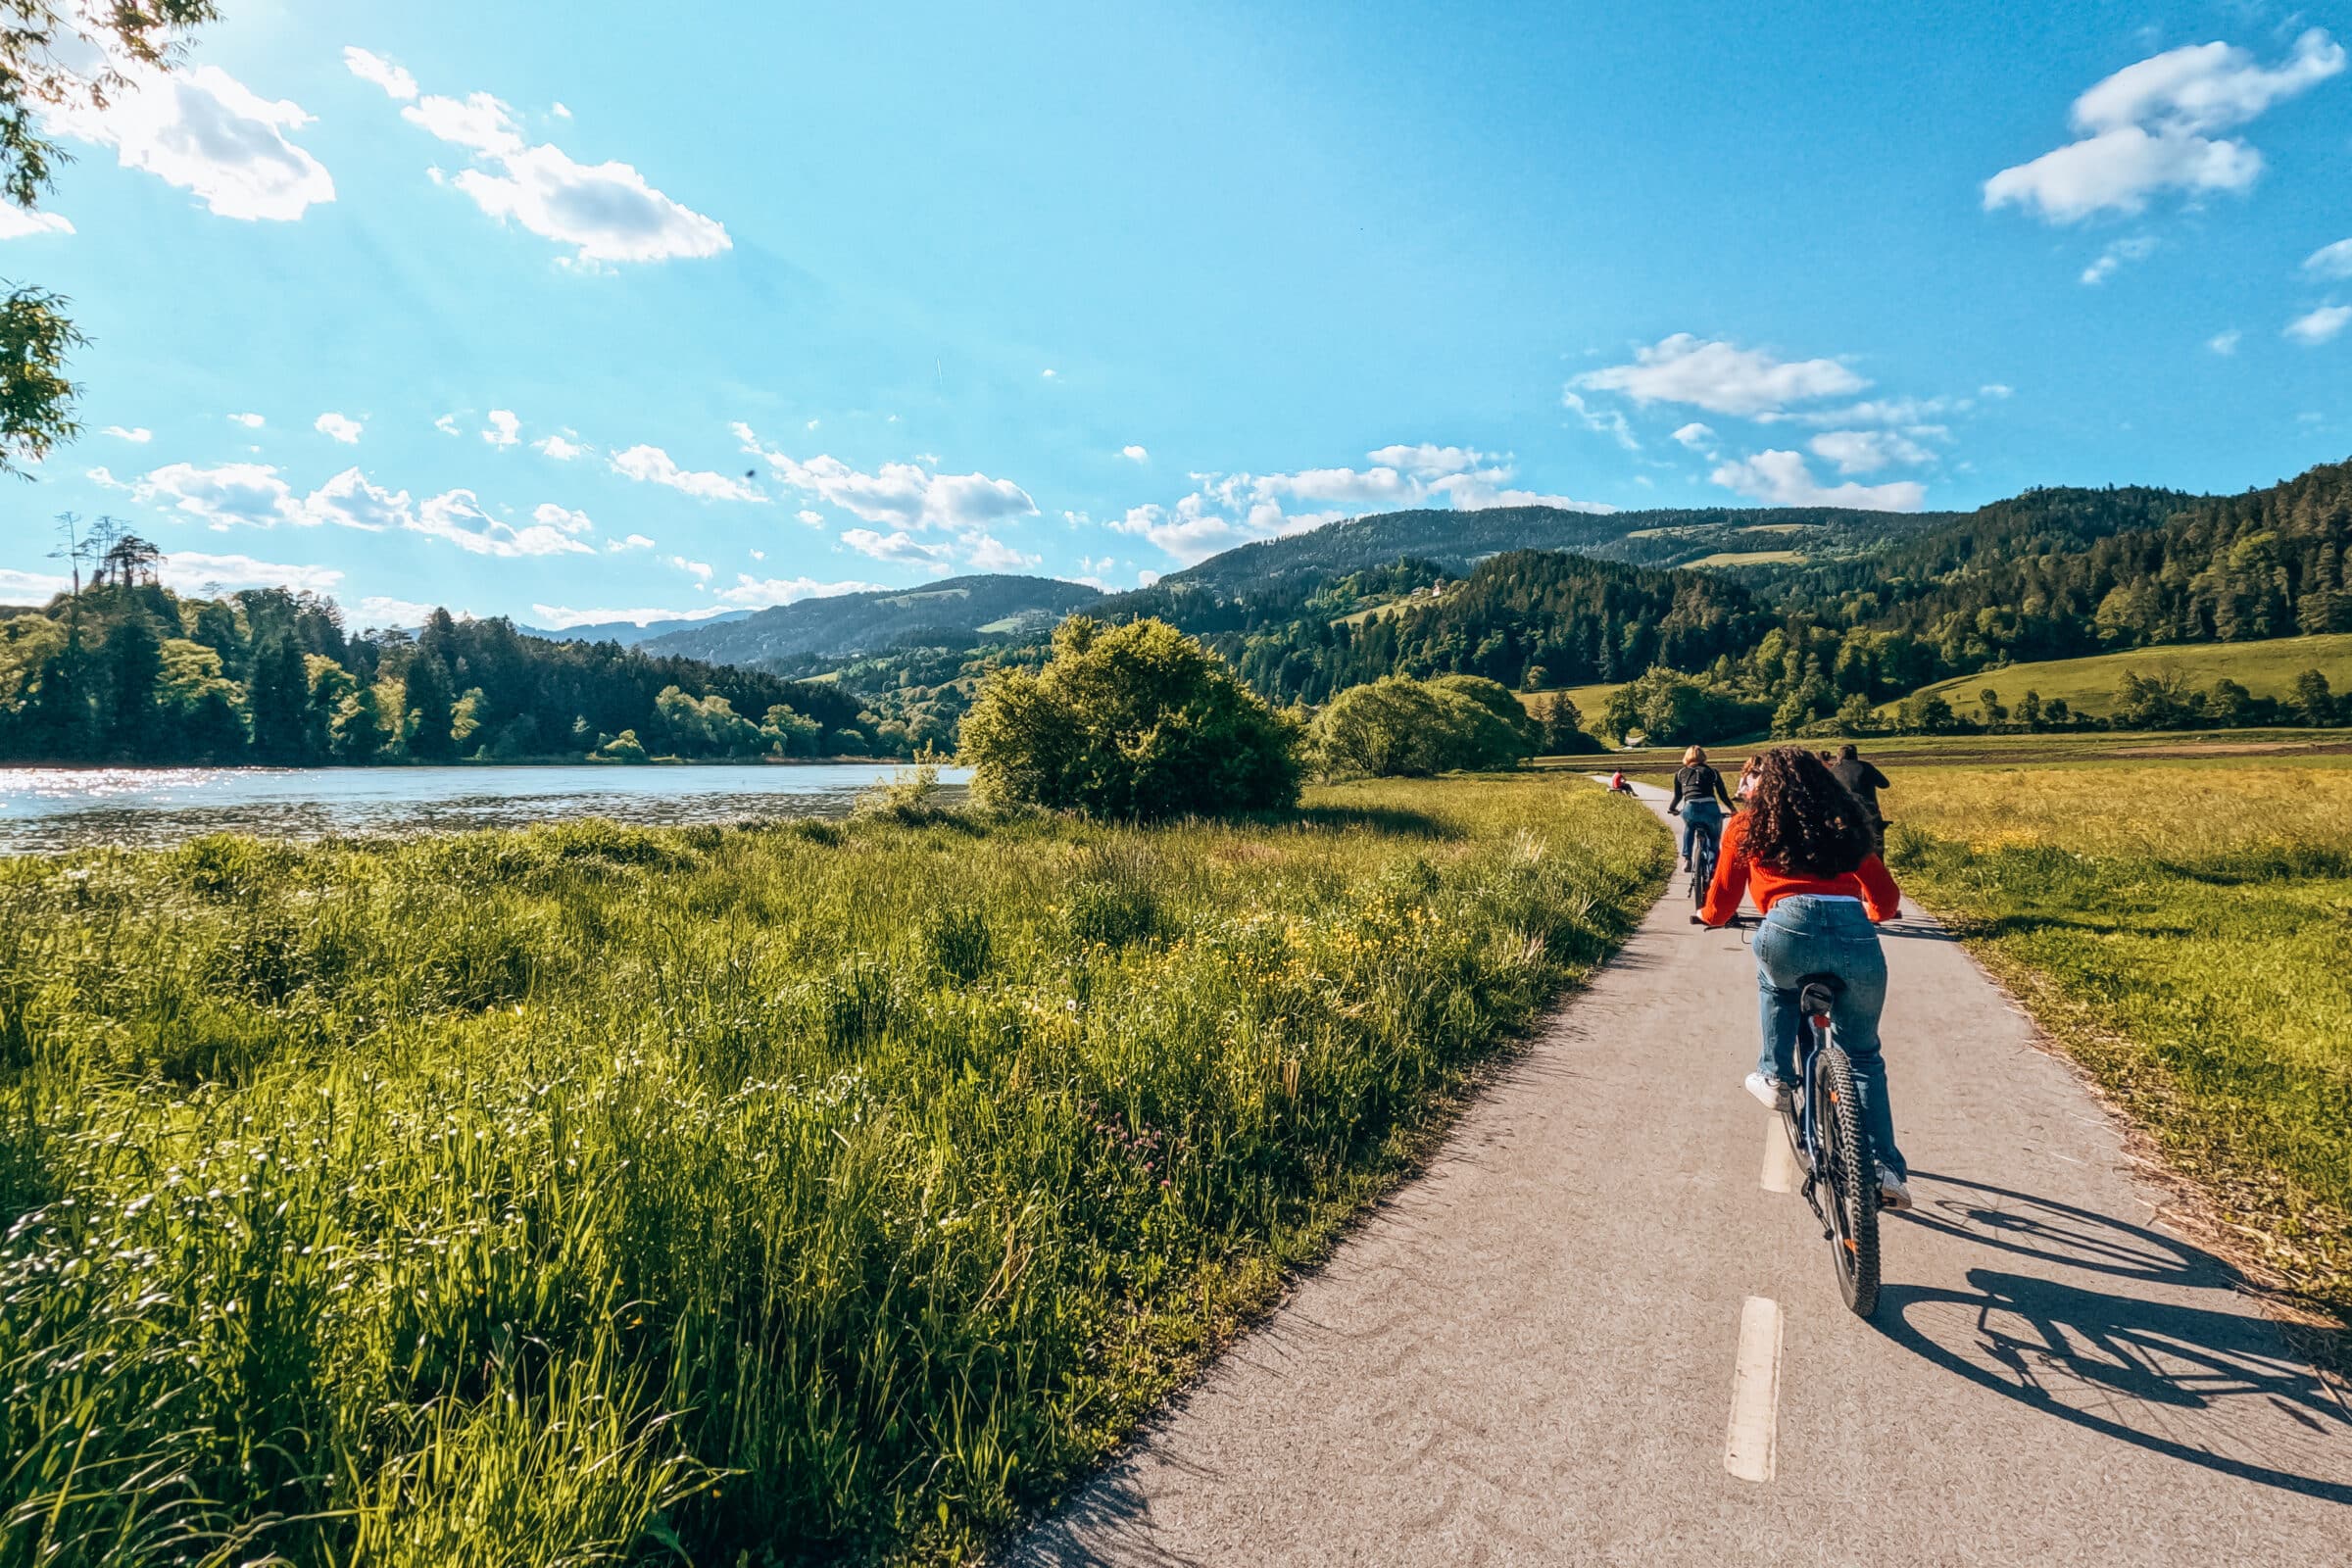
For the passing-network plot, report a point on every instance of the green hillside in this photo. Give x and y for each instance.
(2264, 668)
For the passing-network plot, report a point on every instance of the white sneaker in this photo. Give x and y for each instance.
(1776, 1096)
(1895, 1193)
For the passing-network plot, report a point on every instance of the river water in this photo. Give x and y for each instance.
(51, 808)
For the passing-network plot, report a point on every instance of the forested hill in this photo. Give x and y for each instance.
(959, 610)
(129, 671)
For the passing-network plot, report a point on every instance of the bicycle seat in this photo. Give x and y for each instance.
(1815, 992)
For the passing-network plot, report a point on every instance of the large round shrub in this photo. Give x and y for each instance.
(1129, 721)
(1399, 727)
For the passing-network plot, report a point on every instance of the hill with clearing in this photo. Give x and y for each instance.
(2264, 668)
(961, 611)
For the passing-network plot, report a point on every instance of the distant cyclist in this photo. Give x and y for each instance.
(1699, 799)
(1801, 845)
(1618, 785)
(1865, 781)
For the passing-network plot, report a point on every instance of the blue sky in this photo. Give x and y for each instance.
(444, 304)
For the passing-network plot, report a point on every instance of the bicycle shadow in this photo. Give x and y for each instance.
(2213, 1387)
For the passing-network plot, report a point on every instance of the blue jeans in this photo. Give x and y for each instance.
(1701, 816)
(1807, 935)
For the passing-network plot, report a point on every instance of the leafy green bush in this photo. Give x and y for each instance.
(1133, 721)
(1401, 728)
(1671, 709)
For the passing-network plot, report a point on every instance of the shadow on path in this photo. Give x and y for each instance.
(2210, 1387)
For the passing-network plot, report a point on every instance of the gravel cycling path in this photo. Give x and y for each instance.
(1600, 1329)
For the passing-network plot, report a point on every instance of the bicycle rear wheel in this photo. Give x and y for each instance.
(1849, 1178)
(1702, 869)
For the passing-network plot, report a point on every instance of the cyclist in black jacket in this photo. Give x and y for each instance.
(1699, 800)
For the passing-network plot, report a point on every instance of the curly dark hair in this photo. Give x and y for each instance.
(1802, 820)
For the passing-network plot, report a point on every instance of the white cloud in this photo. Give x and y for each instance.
(188, 570)
(900, 494)
(251, 422)
(558, 448)
(1995, 391)
(336, 427)
(227, 493)
(606, 213)
(558, 618)
(1048, 374)
(137, 435)
(446, 423)
(1607, 421)
(1782, 479)
(558, 109)
(758, 593)
(635, 541)
(457, 516)
(1720, 376)
(17, 224)
(814, 519)
(693, 569)
(31, 587)
(2131, 248)
(2317, 326)
(1868, 451)
(397, 83)
(563, 521)
(1697, 437)
(987, 553)
(377, 610)
(207, 133)
(2331, 261)
(901, 546)
(1135, 454)
(653, 465)
(350, 500)
(505, 429)
(1427, 459)
(2147, 129)
(2225, 342)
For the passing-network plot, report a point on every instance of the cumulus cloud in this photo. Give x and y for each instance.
(693, 569)
(559, 617)
(990, 554)
(2151, 127)
(604, 213)
(899, 547)
(446, 423)
(2331, 261)
(1782, 479)
(758, 593)
(559, 449)
(31, 587)
(2317, 326)
(457, 516)
(192, 571)
(204, 131)
(635, 541)
(377, 610)
(251, 422)
(351, 500)
(137, 435)
(1228, 509)
(223, 496)
(336, 427)
(1135, 454)
(563, 521)
(505, 429)
(1720, 376)
(17, 224)
(1697, 437)
(1868, 451)
(653, 465)
(897, 495)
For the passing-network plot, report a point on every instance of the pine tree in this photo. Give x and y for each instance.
(427, 697)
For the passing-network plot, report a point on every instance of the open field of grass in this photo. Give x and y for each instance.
(2022, 751)
(807, 1192)
(2264, 668)
(1590, 701)
(1746, 558)
(2182, 929)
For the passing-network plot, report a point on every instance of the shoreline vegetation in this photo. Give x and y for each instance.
(813, 1190)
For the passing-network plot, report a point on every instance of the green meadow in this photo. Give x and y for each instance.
(772, 1194)
(2089, 685)
(2182, 928)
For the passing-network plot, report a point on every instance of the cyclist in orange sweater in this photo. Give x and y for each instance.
(1804, 851)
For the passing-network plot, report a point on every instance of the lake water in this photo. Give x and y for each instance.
(49, 809)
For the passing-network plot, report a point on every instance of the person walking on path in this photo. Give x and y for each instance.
(1699, 799)
(1865, 781)
(1802, 847)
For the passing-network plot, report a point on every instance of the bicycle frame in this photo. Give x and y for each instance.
(1802, 1118)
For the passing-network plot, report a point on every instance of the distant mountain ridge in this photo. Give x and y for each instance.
(629, 633)
(960, 607)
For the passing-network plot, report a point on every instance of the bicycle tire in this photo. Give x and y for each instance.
(1851, 1175)
(1703, 870)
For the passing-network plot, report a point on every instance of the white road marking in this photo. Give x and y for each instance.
(1750, 1440)
(1781, 1172)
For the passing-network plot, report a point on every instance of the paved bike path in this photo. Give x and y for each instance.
(1530, 1353)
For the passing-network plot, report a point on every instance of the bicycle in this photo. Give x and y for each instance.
(1832, 1144)
(1702, 861)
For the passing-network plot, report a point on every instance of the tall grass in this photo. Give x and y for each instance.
(2183, 929)
(737, 1195)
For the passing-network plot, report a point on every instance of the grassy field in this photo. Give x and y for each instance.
(1747, 558)
(2221, 747)
(787, 1193)
(2182, 929)
(2264, 668)
(1592, 702)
